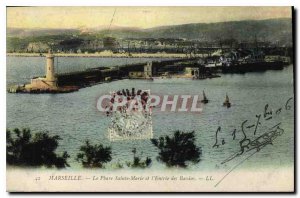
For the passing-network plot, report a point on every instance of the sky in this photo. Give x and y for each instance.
(139, 17)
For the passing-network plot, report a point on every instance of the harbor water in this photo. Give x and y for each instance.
(75, 118)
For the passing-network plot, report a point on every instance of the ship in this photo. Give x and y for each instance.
(227, 103)
(254, 66)
(205, 100)
(242, 61)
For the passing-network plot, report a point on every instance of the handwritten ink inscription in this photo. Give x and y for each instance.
(255, 143)
(247, 144)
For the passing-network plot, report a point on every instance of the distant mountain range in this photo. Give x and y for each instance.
(25, 32)
(269, 29)
(272, 30)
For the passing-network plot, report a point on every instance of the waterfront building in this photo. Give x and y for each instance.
(192, 72)
(147, 73)
(148, 70)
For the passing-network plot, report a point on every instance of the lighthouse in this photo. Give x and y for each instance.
(50, 72)
(46, 84)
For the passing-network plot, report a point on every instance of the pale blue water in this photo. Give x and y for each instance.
(75, 118)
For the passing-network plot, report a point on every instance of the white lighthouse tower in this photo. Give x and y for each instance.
(50, 72)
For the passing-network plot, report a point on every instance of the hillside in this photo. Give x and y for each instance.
(272, 30)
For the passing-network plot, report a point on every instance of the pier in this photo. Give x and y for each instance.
(73, 81)
(192, 67)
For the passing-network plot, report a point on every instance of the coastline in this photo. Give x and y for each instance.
(102, 55)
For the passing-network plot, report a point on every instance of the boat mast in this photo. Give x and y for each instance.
(227, 98)
(204, 96)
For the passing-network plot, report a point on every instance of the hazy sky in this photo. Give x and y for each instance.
(141, 17)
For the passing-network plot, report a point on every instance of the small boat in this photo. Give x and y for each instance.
(205, 100)
(226, 102)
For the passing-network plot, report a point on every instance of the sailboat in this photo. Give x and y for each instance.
(205, 100)
(226, 102)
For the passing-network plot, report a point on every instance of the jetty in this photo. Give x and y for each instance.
(189, 67)
(73, 81)
(45, 84)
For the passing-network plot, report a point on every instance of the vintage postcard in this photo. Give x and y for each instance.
(150, 99)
